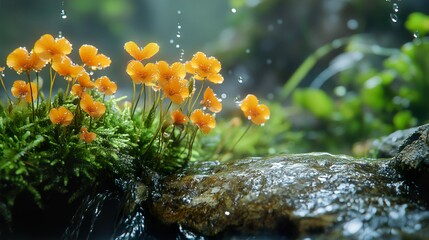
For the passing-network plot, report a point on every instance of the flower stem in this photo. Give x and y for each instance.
(241, 137)
(31, 93)
(5, 90)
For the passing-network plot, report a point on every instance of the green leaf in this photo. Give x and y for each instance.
(403, 119)
(418, 22)
(314, 100)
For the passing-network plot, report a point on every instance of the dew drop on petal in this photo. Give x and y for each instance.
(249, 117)
(233, 10)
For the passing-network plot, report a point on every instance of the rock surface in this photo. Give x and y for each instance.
(389, 146)
(315, 195)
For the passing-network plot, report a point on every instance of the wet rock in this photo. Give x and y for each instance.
(413, 158)
(314, 195)
(388, 147)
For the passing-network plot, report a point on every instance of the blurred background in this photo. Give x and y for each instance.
(261, 43)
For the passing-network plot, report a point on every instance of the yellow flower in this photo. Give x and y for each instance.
(66, 68)
(210, 101)
(85, 81)
(1, 69)
(143, 74)
(88, 55)
(21, 89)
(106, 86)
(257, 113)
(140, 54)
(47, 47)
(176, 90)
(77, 90)
(167, 73)
(20, 60)
(205, 68)
(61, 116)
(179, 119)
(93, 108)
(87, 136)
(204, 121)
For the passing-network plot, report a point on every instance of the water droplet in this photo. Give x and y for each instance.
(227, 213)
(91, 73)
(63, 14)
(416, 34)
(352, 24)
(177, 46)
(240, 79)
(171, 41)
(237, 100)
(249, 117)
(2, 75)
(248, 51)
(179, 26)
(179, 12)
(262, 124)
(269, 61)
(353, 226)
(233, 10)
(60, 34)
(178, 35)
(223, 95)
(279, 21)
(394, 17)
(395, 7)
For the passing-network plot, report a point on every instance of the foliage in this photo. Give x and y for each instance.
(76, 141)
(369, 100)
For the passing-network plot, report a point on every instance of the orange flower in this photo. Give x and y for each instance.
(179, 118)
(204, 121)
(177, 90)
(61, 116)
(210, 101)
(106, 86)
(257, 113)
(87, 136)
(20, 89)
(66, 68)
(48, 48)
(89, 56)
(205, 68)
(167, 73)
(142, 74)
(140, 54)
(77, 90)
(84, 80)
(1, 69)
(93, 108)
(20, 60)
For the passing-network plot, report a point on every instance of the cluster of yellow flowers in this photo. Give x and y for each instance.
(176, 82)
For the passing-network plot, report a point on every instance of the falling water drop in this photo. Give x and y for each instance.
(394, 17)
(178, 34)
(182, 53)
(91, 73)
(179, 12)
(416, 34)
(177, 46)
(63, 14)
(179, 26)
(171, 41)
(240, 79)
(395, 7)
(60, 34)
(223, 95)
(233, 10)
(237, 100)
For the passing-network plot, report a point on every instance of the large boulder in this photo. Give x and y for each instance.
(305, 195)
